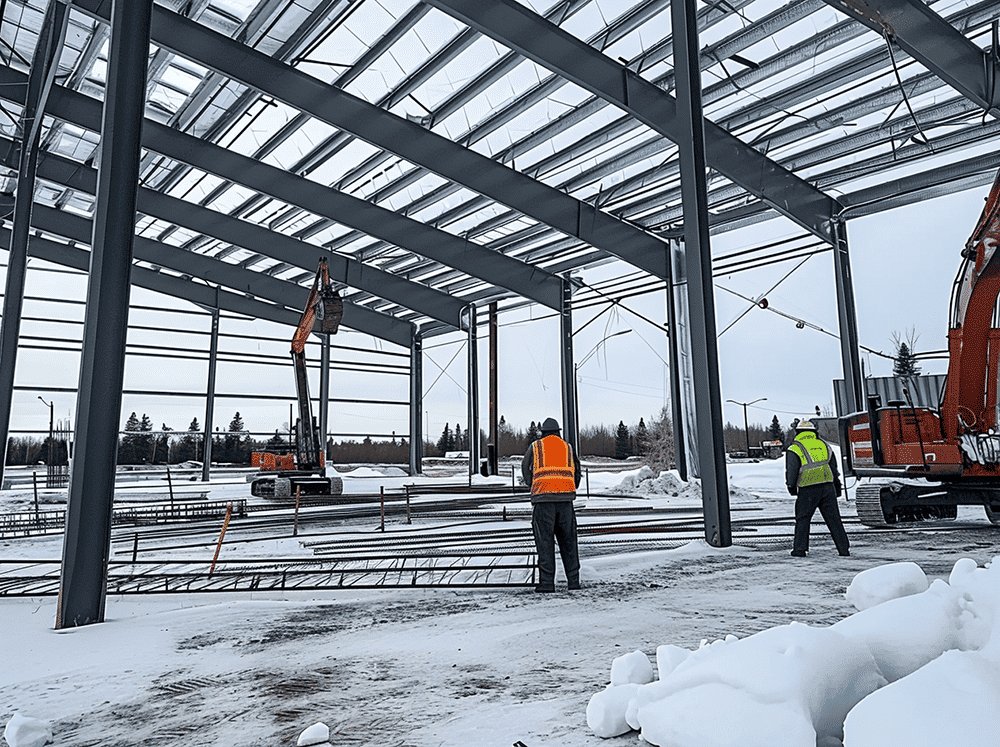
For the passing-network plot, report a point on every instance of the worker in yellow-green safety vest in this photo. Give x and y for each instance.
(811, 476)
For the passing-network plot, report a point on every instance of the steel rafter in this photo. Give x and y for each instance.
(419, 238)
(935, 43)
(261, 285)
(412, 296)
(518, 27)
(408, 140)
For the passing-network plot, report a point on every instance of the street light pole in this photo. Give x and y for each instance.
(746, 426)
(52, 446)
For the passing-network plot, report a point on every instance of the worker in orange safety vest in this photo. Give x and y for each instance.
(552, 470)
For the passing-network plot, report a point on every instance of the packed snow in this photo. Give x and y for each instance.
(691, 647)
(798, 685)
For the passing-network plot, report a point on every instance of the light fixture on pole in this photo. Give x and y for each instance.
(746, 427)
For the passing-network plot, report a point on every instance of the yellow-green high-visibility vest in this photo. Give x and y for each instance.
(815, 457)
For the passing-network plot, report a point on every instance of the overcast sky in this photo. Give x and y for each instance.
(904, 263)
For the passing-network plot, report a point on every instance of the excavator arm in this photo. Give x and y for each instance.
(970, 400)
(326, 306)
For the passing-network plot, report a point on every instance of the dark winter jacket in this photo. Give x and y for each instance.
(793, 463)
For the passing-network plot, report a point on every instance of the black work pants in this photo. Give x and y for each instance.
(823, 497)
(550, 522)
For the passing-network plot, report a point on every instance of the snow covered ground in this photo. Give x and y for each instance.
(737, 646)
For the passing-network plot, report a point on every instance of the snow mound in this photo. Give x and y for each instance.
(644, 481)
(631, 668)
(885, 582)
(318, 733)
(368, 472)
(22, 731)
(919, 666)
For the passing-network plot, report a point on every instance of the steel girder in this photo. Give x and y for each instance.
(407, 140)
(518, 27)
(261, 285)
(935, 43)
(420, 298)
(419, 238)
(39, 85)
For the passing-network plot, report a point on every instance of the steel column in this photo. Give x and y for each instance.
(691, 152)
(87, 540)
(494, 456)
(676, 404)
(847, 318)
(416, 404)
(567, 369)
(43, 67)
(324, 390)
(472, 432)
(213, 359)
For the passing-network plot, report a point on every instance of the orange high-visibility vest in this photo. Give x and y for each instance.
(552, 466)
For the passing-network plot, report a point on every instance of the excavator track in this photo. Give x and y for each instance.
(868, 501)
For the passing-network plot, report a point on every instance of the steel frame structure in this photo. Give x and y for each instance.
(274, 132)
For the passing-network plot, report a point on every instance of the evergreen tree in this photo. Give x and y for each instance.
(533, 433)
(641, 437)
(906, 362)
(236, 445)
(621, 441)
(128, 448)
(444, 443)
(189, 447)
(276, 442)
(458, 443)
(775, 432)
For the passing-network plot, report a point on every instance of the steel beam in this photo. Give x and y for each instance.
(213, 359)
(518, 27)
(87, 541)
(676, 403)
(196, 293)
(263, 286)
(567, 368)
(472, 426)
(494, 455)
(43, 69)
(408, 294)
(324, 390)
(933, 42)
(848, 321)
(405, 139)
(419, 238)
(416, 403)
(691, 152)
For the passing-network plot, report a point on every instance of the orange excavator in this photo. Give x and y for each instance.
(937, 459)
(304, 471)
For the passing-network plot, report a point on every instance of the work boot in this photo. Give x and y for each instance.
(798, 554)
(573, 585)
(845, 553)
(542, 589)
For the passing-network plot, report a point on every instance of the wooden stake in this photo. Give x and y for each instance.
(222, 534)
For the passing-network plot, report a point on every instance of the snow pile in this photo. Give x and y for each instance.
(882, 677)
(644, 481)
(22, 731)
(885, 582)
(318, 733)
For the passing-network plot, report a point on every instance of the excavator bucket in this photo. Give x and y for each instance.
(330, 311)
